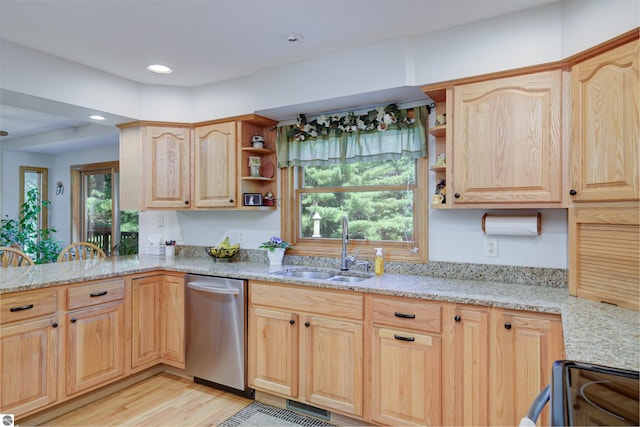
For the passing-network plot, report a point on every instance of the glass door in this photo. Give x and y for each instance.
(96, 215)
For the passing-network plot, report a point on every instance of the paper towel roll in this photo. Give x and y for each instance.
(530, 225)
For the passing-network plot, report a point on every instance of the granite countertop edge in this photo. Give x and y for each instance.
(593, 332)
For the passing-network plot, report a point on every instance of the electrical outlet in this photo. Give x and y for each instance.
(491, 247)
(160, 220)
(240, 237)
(180, 235)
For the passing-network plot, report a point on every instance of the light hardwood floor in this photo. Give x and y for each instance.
(162, 400)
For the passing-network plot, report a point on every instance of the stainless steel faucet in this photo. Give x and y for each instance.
(346, 261)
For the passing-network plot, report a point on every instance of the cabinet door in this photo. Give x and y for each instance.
(95, 346)
(28, 365)
(173, 321)
(507, 141)
(273, 351)
(523, 349)
(470, 371)
(146, 321)
(406, 379)
(605, 119)
(215, 165)
(604, 254)
(332, 355)
(167, 163)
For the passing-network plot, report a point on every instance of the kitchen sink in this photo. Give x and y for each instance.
(306, 274)
(333, 275)
(350, 279)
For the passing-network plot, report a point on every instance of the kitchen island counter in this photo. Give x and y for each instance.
(593, 332)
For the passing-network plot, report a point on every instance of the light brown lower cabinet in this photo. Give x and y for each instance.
(405, 360)
(95, 346)
(465, 389)
(59, 343)
(497, 362)
(522, 349)
(146, 303)
(172, 342)
(157, 321)
(311, 353)
(405, 377)
(29, 365)
(95, 341)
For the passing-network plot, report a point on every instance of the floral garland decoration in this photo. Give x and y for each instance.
(379, 120)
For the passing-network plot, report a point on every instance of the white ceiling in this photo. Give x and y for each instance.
(208, 41)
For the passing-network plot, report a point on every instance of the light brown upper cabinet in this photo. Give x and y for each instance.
(215, 165)
(167, 166)
(507, 141)
(605, 121)
(197, 166)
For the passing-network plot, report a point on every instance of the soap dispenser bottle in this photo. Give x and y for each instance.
(378, 263)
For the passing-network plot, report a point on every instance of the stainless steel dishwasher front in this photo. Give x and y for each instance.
(216, 327)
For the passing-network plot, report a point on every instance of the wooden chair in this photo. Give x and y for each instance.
(13, 257)
(80, 251)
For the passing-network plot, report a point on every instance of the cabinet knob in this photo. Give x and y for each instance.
(54, 324)
(307, 324)
(457, 195)
(507, 325)
(230, 200)
(292, 321)
(573, 192)
(186, 202)
(74, 320)
(457, 318)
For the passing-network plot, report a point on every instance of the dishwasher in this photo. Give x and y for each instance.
(216, 332)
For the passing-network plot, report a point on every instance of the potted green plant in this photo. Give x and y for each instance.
(37, 242)
(275, 249)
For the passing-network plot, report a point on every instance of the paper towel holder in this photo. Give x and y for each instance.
(538, 220)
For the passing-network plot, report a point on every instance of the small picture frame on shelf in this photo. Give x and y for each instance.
(252, 199)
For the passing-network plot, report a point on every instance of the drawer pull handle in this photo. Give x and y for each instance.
(98, 294)
(401, 338)
(405, 316)
(24, 307)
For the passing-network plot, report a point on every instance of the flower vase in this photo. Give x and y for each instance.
(275, 256)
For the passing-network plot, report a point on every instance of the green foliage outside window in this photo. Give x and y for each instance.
(384, 214)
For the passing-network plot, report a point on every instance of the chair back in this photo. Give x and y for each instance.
(81, 251)
(13, 257)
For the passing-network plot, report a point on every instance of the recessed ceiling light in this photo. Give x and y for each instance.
(159, 68)
(293, 38)
(96, 117)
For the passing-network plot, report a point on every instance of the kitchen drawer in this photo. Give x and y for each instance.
(406, 313)
(95, 293)
(26, 305)
(339, 304)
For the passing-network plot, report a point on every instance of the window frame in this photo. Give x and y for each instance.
(78, 172)
(290, 179)
(43, 189)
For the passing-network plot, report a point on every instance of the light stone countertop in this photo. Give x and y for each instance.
(593, 332)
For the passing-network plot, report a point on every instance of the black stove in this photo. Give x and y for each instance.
(584, 394)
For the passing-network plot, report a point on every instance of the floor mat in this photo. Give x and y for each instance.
(260, 415)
